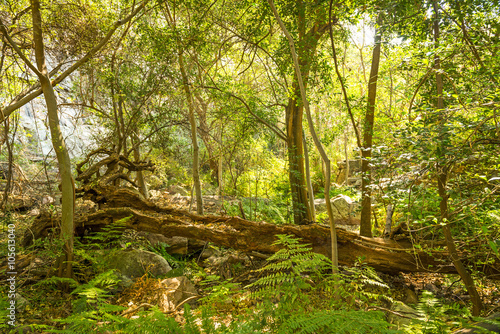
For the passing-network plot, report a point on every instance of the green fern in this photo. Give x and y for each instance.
(288, 268)
(348, 322)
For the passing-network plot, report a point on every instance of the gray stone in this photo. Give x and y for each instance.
(175, 291)
(411, 296)
(173, 245)
(135, 263)
(176, 189)
(21, 303)
(408, 314)
(345, 210)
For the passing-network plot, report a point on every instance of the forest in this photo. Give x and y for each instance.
(264, 166)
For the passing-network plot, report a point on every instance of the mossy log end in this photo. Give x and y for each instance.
(142, 215)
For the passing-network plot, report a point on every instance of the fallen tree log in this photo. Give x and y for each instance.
(141, 215)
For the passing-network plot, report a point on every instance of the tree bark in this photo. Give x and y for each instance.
(63, 159)
(301, 210)
(442, 179)
(366, 151)
(143, 187)
(310, 192)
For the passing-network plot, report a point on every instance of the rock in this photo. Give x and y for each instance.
(124, 283)
(174, 291)
(176, 189)
(492, 324)
(408, 312)
(154, 194)
(431, 288)
(411, 296)
(345, 210)
(354, 168)
(209, 252)
(34, 212)
(46, 200)
(135, 263)
(21, 303)
(173, 245)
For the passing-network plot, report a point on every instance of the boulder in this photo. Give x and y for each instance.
(176, 189)
(345, 210)
(174, 291)
(135, 263)
(408, 314)
(173, 245)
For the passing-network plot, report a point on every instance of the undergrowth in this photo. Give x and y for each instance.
(294, 293)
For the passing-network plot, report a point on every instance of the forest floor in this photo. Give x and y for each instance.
(42, 302)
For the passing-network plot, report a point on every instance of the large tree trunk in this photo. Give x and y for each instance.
(301, 210)
(366, 151)
(67, 183)
(247, 236)
(442, 178)
(141, 182)
(308, 180)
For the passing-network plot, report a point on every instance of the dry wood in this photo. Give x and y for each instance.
(248, 236)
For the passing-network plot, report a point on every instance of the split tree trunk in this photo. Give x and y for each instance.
(306, 49)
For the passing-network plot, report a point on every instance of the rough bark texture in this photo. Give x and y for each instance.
(384, 255)
(301, 212)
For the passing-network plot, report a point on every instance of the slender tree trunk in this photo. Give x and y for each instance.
(365, 229)
(442, 179)
(192, 120)
(63, 159)
(308, 180)
(143, 187)
(194, 138)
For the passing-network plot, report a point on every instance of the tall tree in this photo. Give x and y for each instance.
(63, 160)
(307, 42)
(366, 150)
(172, 21)
(442, 170)
(319, 146)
